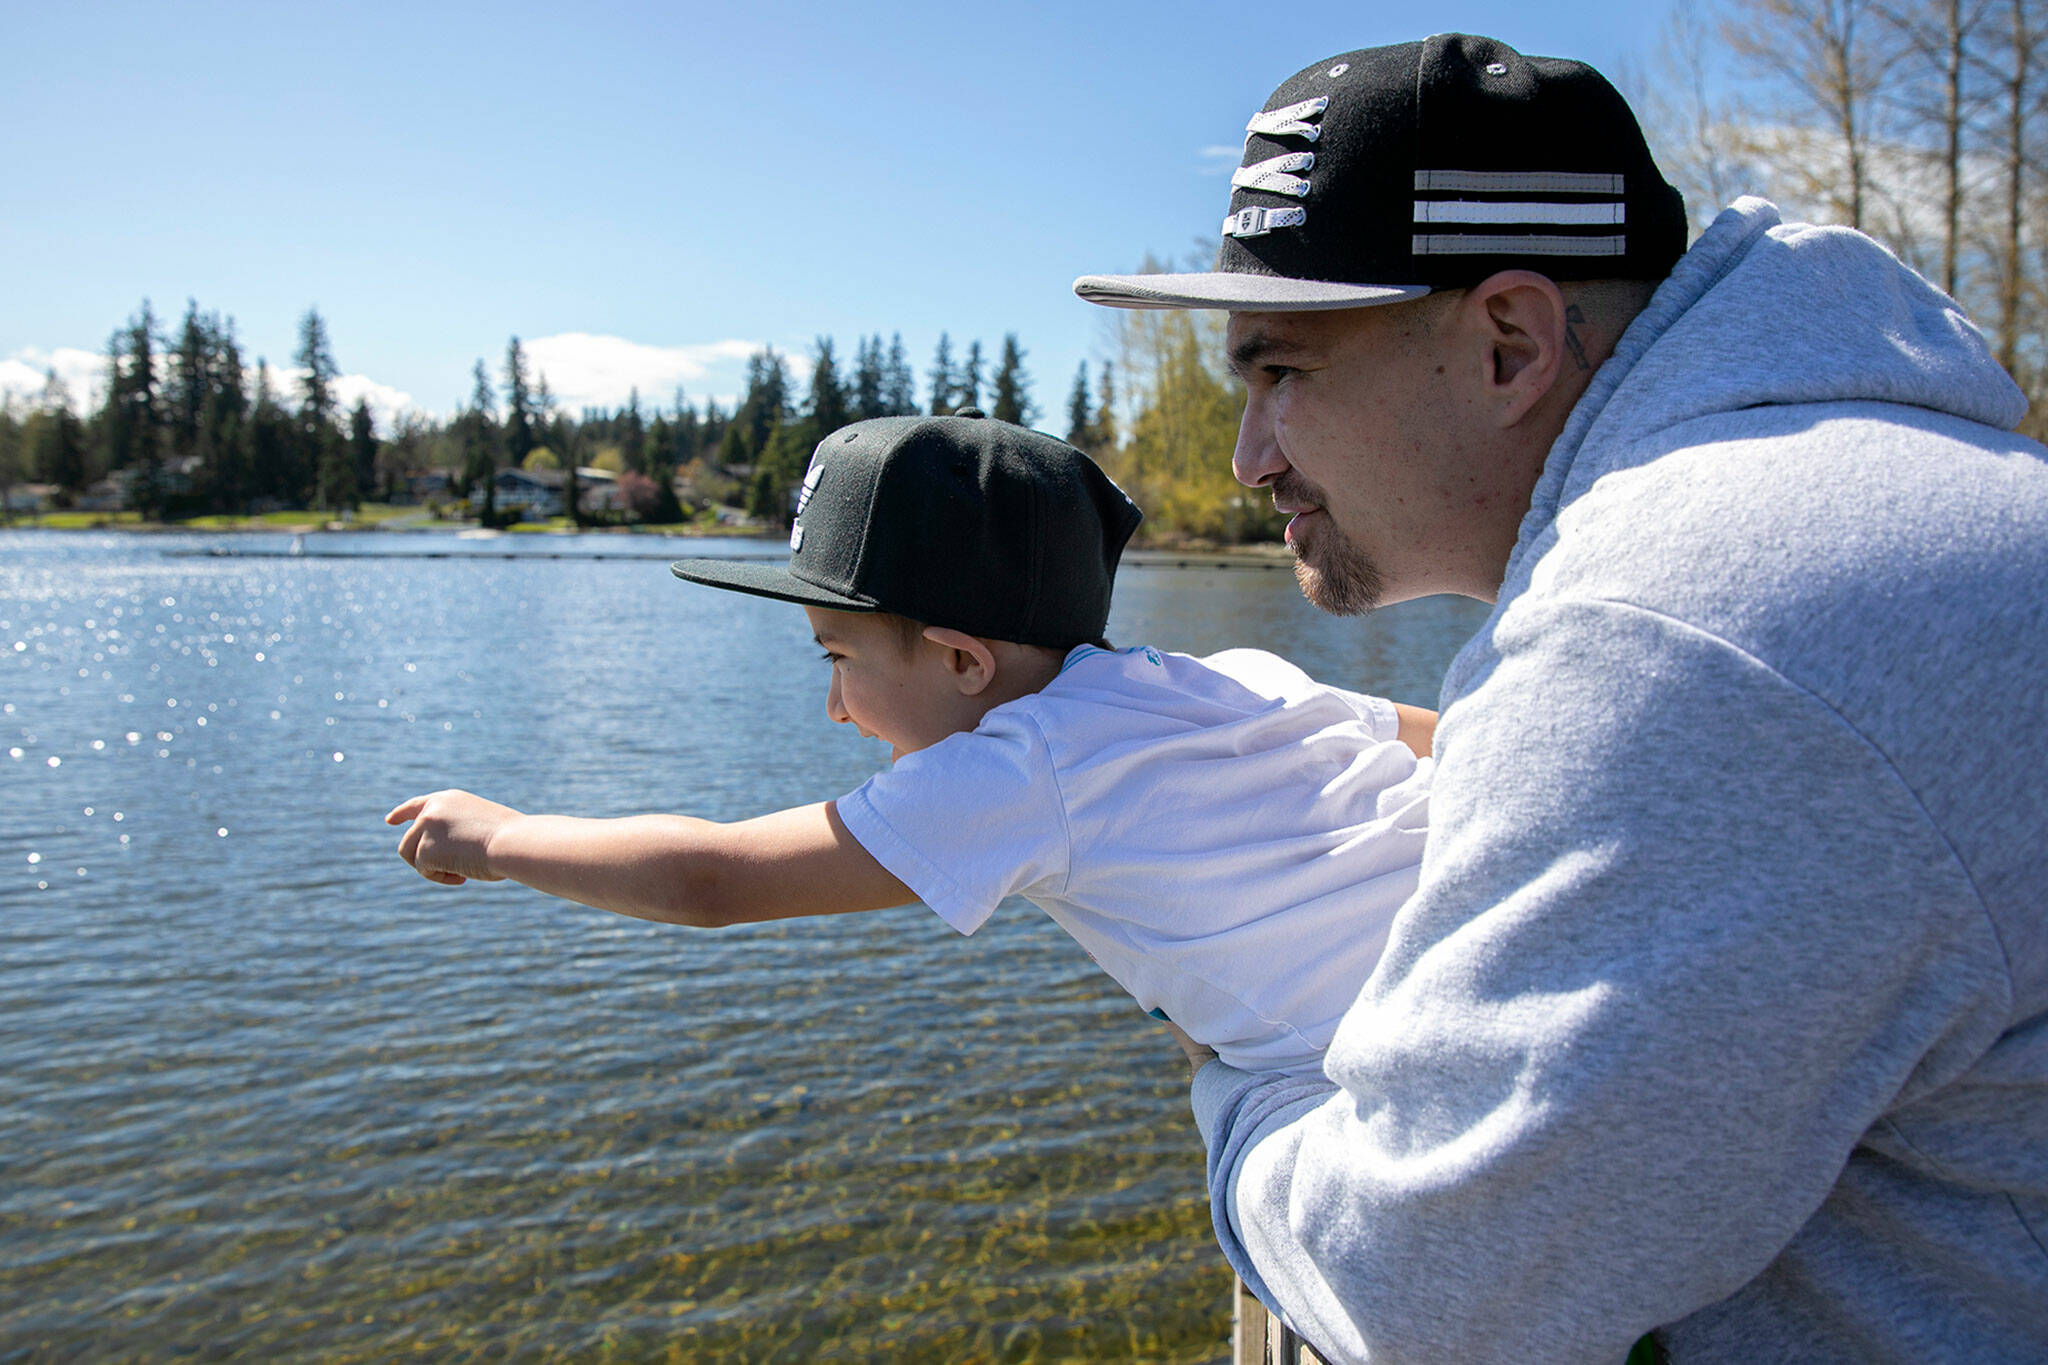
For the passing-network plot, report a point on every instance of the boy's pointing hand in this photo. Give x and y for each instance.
(450, 838)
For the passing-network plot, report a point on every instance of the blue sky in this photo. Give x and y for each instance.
(644, 192)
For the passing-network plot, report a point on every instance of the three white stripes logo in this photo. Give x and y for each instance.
(1576, 199)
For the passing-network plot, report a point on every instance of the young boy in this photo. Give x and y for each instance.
(1226, 837)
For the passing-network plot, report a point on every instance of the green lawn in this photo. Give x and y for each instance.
(80, 521)
(303, 519)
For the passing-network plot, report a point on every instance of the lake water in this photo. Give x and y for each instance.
(265, 1093)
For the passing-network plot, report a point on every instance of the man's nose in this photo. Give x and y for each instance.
(1256, 461)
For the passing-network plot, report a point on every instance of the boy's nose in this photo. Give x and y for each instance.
(833, 708)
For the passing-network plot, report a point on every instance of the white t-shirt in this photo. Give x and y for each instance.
(1226, 836)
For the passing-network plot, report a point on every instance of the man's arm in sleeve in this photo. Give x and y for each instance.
(1682, 935)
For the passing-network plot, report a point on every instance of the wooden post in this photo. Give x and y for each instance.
(1259, 1338)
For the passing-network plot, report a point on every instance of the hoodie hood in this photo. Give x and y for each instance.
(1816, 314)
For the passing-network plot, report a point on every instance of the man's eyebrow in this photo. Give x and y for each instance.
(1248, 352)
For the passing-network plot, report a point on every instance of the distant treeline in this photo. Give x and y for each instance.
(189, 429)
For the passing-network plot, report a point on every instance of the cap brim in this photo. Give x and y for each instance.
(1238, 291)
(765, 580)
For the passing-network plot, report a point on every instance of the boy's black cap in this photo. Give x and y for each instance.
(1381, 174)
(960, 521)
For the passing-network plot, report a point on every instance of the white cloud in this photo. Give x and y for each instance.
(386, 402)
(23, 374)
(587, 371)
(1220, 160)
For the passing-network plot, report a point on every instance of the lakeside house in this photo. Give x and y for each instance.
(542, 493)
(32, 499)
(536, 493)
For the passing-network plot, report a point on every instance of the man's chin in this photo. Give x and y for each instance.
(1351, 588)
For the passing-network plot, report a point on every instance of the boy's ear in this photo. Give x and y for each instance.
(969, 659)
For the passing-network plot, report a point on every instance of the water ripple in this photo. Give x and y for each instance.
(268, 1095)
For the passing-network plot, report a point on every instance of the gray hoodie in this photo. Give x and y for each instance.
(1722, 1007)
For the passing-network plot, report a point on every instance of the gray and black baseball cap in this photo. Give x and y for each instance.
(962, 521)
(1379, 175)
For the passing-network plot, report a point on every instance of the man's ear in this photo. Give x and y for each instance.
(970, 662)
(1527, 333)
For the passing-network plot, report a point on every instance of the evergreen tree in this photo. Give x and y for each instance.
(362, 447)
(224, 426)
(686, 433)
(734, 450)
(763, 500)
(563, 439)
(967, 383)
(477, 435)
(762, 430)
(629, 432)
(779, 470)
(1081, 412)
(827, 405)
(868, 380)
(899, 386)
(269, 443)
(12, 463)
(521, 435)
(942, 377)
(402, 455)
(766, 404)
(204, 408)
(189, 385)
(660, 445)
(131, 420)
(56, 441)
(711, 432)
(323, 454)
(13, 467)
(1012, 386)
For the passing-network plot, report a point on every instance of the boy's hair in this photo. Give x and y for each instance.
(963, 522)
(909, 632)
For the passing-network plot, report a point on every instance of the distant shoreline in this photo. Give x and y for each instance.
(315, 526)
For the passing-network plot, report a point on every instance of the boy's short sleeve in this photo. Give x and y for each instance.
(974, 818)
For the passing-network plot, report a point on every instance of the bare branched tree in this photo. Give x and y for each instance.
(2014, 65)
(1938, 92)
(1922, 122)
(1691, 126)
(1830, 58)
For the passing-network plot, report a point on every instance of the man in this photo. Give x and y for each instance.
(1722, 1008)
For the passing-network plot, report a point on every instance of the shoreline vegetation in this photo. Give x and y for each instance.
(405, 520)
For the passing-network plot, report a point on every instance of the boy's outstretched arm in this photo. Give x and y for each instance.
(1418, 728)
(670, 868)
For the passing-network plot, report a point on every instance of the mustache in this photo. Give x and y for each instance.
(1296, 491)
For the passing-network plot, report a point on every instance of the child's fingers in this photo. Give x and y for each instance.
(445, 878)
(406, 810)
(409, 844)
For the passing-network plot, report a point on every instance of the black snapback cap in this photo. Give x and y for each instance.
(1379, 175)
(962, 521)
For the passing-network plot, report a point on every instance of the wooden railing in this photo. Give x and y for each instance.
(1259, 1338)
